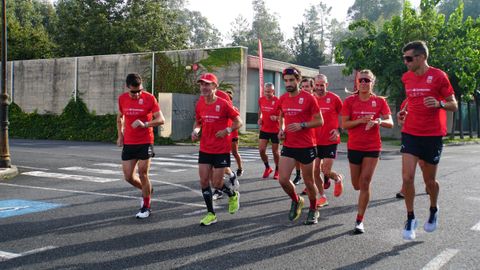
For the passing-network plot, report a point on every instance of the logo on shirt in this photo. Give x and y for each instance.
(429, 79)
(300, 100)
(217, 108)
(273, 102)
(140, 101)
(374, 103)
(328, 100)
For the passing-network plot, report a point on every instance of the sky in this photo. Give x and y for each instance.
(221, 13)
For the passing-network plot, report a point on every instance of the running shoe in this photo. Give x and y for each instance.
(409, 231)
(217, 194)
(297, 179)
(239, 172)
(322, 201)
(359, 229)
(432, 222)
(312, 217)
(326, 183)
(275, 175)
(234, 203)
(304, 191)
(338, 187)
(296, 209)
(209, 219)
(400, 195)
(267, 172)
(234, 181)
(144, 213)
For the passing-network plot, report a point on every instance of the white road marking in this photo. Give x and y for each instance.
(176, 159)
(100, 194)
(33, 168)
(441, 259)
(174, 171)
(89, 170)
(473, 198)
(8, 255)
(476, 227)
(12, 208)
(174, 164)
(178, 185)
(111, 165)
(70, 177)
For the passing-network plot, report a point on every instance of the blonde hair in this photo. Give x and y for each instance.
(368, 72)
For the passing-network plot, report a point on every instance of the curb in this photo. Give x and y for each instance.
(8, 173)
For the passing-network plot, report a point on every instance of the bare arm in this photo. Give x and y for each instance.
(119, 129)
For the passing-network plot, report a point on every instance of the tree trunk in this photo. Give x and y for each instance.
(460, 117)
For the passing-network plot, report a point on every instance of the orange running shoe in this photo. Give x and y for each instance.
(267, 172)
(322, 201)
(338, 189)
(275, 175)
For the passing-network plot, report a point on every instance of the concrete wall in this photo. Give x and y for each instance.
(179, 113)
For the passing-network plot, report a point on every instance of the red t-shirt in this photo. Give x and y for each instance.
(358, 138)
(133, 109)
(268, 107)
(423, 121)
(330, 106)
(298, 109)
(214, 117)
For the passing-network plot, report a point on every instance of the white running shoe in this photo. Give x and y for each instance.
(432, 222)
(144, 213)
(359, 229)
(409, 230)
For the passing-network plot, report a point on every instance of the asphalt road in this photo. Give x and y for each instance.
(69, 208)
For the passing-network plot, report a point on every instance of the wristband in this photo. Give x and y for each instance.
(379, 121)
(303, 125)
(229, 130)
(441, 104)
(146, 124)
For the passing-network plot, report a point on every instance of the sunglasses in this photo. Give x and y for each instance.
(135, 91)
(409, 58)
(290, 71)
(364, 80)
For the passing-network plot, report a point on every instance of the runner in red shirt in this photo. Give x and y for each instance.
(327, 139)
(235, 141)
(363, 114)
(429, 95)
(300, 113)
(268, 122)
(211, 119)
(138, 112)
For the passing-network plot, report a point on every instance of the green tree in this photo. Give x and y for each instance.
(471, 7)
(27, 36)
(91, 27)
(202, 34)
(240, 31)
(453, 48)
(372, 10)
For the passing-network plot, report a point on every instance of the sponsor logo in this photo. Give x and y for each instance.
(429, 79)
(217, 108)
(300, 101)
(374, 103)
(328, 100)
(140, 101)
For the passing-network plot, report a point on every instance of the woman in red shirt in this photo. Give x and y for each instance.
(362, 115)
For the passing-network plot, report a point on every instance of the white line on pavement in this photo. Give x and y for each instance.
(88, 170)
(8, 255)
(174, 164)
(175, 159)
(33, 168)
(100, 194)
(177, 185)
(174, 170)
(70, 177)
(476, 227)
(111, 165)
(441, 259)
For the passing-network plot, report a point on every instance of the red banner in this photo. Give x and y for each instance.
(260, 68)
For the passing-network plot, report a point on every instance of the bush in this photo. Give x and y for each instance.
(75, 123)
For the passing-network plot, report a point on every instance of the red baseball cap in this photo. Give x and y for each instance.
(208, 78)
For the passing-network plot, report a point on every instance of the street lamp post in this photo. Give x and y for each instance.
(4, 150)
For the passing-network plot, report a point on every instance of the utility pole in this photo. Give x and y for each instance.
(4, 149)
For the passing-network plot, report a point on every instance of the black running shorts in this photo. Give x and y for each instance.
(302, 155)
(356, 157)
(137, 151)
(216, 160)
(272, 136)
(327, 151)
(427, 148)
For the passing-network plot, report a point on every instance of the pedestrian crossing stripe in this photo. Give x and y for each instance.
(70, 176)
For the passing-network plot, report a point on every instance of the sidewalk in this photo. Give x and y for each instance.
(7, 173)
